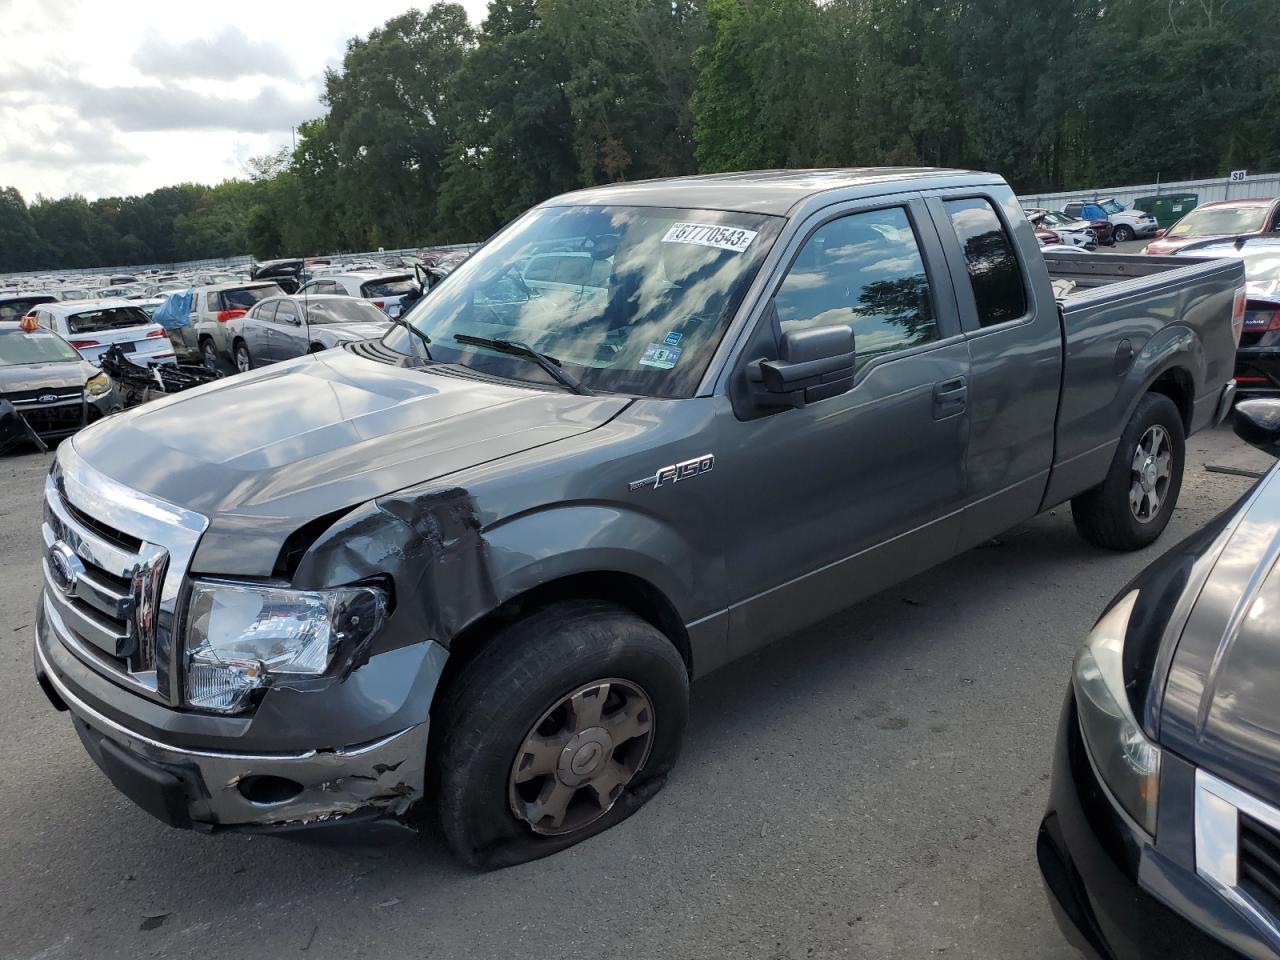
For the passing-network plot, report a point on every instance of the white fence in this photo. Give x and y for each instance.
(1219, 188)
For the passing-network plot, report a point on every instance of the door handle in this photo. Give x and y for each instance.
(950, 397)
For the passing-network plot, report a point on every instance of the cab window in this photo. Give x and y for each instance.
(988, 254)
(864, 270)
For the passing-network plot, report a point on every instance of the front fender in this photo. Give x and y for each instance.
(564, 540)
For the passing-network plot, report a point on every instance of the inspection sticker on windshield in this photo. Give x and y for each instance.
(710, 235)
(660, 356)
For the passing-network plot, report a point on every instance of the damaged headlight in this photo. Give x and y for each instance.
(97, 385)
(1126, 761)
(242, 637)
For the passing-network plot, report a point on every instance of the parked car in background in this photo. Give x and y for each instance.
(92, 326)
(286, 273)
(15, 306)
(1224, 218)
(1162, 836)
(1128, 224)
(385, 290)
(480, 560)
(1258, 357)
(287, 327)
(49, 383)
(211, 307)
(1096, 217)
(1057, 228)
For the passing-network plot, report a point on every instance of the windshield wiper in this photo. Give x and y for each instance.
(426, 341)
(517, 349)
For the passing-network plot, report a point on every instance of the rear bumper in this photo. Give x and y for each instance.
(1115, 894)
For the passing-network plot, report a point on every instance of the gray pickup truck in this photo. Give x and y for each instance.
(646, 429)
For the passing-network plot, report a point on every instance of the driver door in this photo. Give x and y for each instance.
(853, 493)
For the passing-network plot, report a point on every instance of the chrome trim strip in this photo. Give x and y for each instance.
(101, 721)
(143, 683)
(105, 635)
(84, 541)
(1218, 806)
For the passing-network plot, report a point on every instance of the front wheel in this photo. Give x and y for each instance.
(1124, 233)
(244, 362)
(1133, 505)
(564, 725)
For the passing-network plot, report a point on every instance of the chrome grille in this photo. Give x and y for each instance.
(113, 569)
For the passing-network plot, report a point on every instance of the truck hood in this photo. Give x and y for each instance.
(1221, 707)
(272, 449)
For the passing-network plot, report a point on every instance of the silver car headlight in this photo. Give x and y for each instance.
(243, 637)
(97, 385)
(1126, 761)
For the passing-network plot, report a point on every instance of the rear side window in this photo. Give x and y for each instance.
(864, 270)
(993, 266)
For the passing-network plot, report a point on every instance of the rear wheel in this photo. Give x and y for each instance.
(1124, 233)
(1133, 505)
(564, 725)
(209, 354)
(244, 361)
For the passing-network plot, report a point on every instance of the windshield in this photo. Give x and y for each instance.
(1057, 219)
(1112, 206)
(388, 287)
(344, 310)
(109, 318)
(1220, 221)
(627, 299)
(40, 346)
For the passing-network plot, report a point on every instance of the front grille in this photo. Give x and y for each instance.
(44, 396)
(1260, 863)
(100, 612)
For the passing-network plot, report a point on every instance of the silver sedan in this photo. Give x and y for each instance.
(282, 328)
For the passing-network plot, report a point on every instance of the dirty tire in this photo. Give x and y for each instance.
(1103, 515)
(209, 355)
(493, 704)
(1124, 233)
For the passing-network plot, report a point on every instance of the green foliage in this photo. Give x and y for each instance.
(436, 131)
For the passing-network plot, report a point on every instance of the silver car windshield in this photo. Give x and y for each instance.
(626, 299)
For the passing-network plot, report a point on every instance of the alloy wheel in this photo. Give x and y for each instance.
(242, 360)
(1152, 469)
(578, 758)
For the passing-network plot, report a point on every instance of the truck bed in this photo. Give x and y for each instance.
(1086, 272)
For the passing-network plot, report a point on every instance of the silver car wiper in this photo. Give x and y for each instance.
(517, 349)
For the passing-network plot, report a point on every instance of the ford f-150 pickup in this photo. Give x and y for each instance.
(471, 568)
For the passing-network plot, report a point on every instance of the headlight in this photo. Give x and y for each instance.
(1126, 761)
(242, 637)
(97, 385)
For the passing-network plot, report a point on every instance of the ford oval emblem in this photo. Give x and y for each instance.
(65, 567)
(47, 398)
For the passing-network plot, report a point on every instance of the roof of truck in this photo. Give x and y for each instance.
(774, 192)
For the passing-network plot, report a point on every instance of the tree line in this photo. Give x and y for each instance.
(435, 130)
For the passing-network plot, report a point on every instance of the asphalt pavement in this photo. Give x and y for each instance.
(869, 788)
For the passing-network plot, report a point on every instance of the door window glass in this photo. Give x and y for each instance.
(864, 270)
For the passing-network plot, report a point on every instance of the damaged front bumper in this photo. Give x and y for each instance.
(211, 789)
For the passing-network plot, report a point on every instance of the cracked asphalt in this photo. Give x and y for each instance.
(868, 788)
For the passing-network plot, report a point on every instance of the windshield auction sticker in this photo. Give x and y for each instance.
(710, 235)
(660, 356)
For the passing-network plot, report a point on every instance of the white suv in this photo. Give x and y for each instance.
(386, 290)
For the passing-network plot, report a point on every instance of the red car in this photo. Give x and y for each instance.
(1225, 218)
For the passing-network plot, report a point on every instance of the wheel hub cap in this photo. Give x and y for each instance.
(578, 759)
(1152, 471)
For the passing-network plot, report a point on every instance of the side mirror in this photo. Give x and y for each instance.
(813, 364)
(1257, 422)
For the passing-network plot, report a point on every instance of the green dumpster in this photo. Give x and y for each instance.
(1169, 208)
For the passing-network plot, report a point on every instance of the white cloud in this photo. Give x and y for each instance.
(128, 96)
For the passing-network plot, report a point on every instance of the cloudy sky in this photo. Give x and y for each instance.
(109, 97)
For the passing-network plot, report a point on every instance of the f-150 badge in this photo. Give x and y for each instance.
(676, 472)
